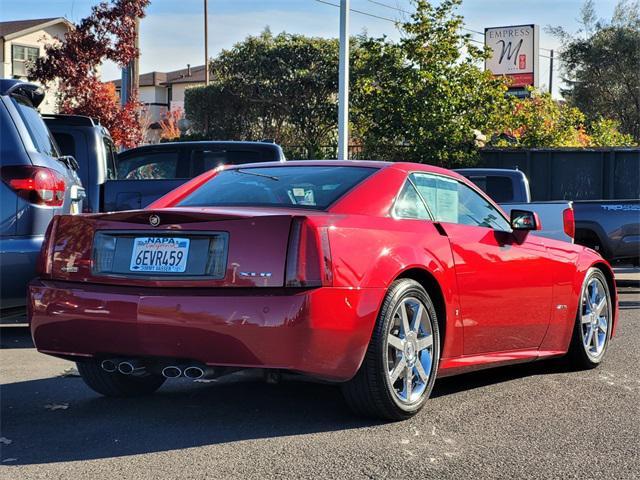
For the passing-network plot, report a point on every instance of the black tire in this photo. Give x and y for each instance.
(578, 354)
(370, 393)
(116, 384)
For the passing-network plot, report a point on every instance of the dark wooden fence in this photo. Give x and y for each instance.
(554, 174)
(573, 174)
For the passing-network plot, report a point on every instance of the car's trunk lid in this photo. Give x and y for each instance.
(174, 248)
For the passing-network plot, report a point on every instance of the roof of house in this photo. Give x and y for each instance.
(16, 28)
(169, 78)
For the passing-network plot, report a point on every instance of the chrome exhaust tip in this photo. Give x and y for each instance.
(171, 371)
(130, 367)
(109, 366)
(193, 372)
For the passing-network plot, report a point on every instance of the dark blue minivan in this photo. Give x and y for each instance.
(37, 183)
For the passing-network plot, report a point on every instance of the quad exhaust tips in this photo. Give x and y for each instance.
(110, 366)
(131, 367)
(125, 367)
(193, 372)
(137, 367)
(172, 371)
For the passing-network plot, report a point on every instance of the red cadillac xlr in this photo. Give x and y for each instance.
(380, 276)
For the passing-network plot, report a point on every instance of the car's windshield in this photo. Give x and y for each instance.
(314, 187)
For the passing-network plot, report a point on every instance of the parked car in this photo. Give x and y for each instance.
(92, 147)
(136, 177)
(37, 183)
(603, 184)
(379, 276)
(510, 188)
(611, 227)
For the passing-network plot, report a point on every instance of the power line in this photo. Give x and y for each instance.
(397, 9)
(395, 22)
(360, 12)
(478, 32)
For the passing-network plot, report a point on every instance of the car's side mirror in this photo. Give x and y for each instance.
(525, 220)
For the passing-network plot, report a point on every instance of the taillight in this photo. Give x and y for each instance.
(308, 256)
(44, 266)
(569, 222)
(38, 185)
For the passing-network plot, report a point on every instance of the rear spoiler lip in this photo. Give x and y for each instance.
(229, 212)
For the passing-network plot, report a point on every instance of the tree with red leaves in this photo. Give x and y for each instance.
(107, 34)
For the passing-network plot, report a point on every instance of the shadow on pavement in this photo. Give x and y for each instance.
(180, 415)
(15, 337)
(183, 414)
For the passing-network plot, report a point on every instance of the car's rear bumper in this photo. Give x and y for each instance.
(322, 332)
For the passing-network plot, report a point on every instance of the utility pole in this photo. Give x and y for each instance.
(551, 72)
(130, 83)
(206, 43)
(343, 83)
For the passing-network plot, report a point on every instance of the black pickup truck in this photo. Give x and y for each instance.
(134, 178)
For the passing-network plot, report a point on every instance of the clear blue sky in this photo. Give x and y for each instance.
(172, 32)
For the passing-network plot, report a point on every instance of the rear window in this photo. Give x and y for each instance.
(208, 159)
(314, 187)
(500, 189)
(158, 165)
(38, 131)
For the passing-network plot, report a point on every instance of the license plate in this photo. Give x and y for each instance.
(159, 254)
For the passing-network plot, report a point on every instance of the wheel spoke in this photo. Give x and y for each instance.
(586, 303)
(408, 382)
(405, 319)
(595, 337)
(602, 324)
(586, 319)
(396, 342)
(425, 342)
(397, 370)
(601, 306)
(589, 337)
(421, 372)
(418, 318)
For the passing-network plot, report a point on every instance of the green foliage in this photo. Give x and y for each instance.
(606, 133)
(541, 122)
(601, 66)
(422, 98)
(281, 87)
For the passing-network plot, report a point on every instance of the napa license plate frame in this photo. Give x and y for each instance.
(159, 255)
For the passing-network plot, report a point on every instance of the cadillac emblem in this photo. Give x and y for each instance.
(154, 220)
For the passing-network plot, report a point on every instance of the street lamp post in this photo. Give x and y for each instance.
(343, 83)
(206, 43)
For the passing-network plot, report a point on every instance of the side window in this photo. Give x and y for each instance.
(111, 157)
(409, 204)
(454, 202)
(149, 165)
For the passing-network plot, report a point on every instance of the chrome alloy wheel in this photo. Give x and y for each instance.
(595, 316)
(409, 350)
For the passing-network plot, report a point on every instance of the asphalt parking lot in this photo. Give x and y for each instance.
(531, 421)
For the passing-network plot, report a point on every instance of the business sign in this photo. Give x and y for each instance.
(514, 54)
